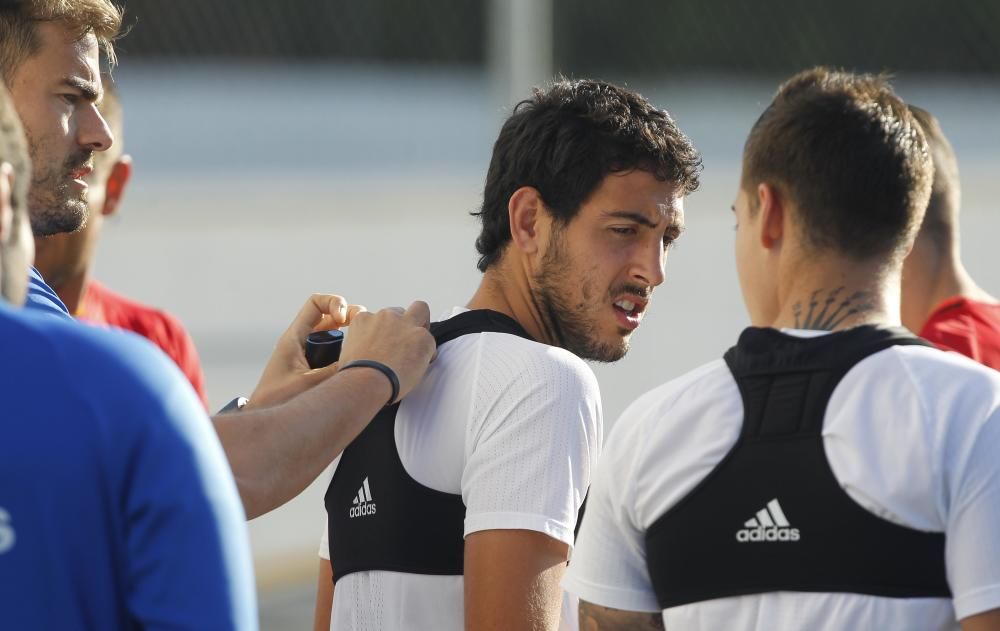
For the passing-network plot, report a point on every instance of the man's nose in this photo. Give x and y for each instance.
(648, 266)
(93, 131)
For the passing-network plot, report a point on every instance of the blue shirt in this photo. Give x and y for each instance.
(117, 507)
(42, 299)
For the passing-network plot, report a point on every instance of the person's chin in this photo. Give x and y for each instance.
(612, 347)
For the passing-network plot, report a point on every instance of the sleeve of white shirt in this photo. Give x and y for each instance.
(608, 567)
(324, 540)
(535, 433)
(972, 541)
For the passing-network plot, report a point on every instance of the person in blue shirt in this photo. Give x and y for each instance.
(43, 298)
(117, 507)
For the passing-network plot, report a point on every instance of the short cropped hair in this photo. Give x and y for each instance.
(941, 219)
(565, 140)
(19, 37)
(14, 150)
(847, 152)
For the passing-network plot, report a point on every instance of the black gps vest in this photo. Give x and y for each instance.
(772, 516)
(379, 517)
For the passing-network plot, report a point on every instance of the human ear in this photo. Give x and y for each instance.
(121, 173)
(526, 213)
(771, 205)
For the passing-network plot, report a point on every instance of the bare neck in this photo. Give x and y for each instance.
(505, 288)
(935, 274)
(832, 295)
(951, 279)
(70, 288)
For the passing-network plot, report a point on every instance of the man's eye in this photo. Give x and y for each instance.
(72, 99)
(624, 230)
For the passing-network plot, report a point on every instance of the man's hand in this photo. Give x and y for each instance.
(300, 425)
(399, 339)
(287, 373)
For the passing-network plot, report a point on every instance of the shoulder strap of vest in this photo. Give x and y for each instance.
(786, 381)
(767, 351)
(476, 321)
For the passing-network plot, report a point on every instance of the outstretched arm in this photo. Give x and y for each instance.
(276, 451)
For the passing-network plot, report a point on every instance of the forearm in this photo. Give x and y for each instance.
(512, 580)
(324, 597)
(597, 618)
(986, 621)
(276, 452)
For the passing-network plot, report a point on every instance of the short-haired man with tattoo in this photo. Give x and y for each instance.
(457, 508)
(941, 301)
(833, 471)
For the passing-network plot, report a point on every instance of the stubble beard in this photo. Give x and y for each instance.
(54, 207)
(571, 326)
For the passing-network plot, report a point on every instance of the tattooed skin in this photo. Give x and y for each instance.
(597, 618)
(835, 311)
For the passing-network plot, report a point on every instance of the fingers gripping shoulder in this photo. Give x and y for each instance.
(396, 338)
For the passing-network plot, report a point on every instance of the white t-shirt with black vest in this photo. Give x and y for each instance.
(912, 435)
(511, 425)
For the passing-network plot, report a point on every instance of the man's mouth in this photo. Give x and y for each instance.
(628, 310)
(82, 172)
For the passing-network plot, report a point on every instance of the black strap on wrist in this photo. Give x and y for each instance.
(382, 368)
(235, 405)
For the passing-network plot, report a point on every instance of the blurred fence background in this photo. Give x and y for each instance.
(288, 147)
(639, 37)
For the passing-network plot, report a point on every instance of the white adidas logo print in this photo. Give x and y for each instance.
(363, 503)
(770, 524)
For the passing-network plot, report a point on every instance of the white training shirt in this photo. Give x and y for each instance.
(911, 433)
(513, 426)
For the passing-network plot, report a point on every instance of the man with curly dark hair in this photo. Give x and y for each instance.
(457, 508)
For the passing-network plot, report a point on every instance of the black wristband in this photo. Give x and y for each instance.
(235, 405)
(382, 368)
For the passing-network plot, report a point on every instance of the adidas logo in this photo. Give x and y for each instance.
(769, 524)
(363, 504)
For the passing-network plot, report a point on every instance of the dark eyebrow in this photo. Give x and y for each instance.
(87, 88)
(632, 215)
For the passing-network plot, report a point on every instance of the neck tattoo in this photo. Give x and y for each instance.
(833, 313)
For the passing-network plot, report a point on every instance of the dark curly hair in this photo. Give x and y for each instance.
(565, 140)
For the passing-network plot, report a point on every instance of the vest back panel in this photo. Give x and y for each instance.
(772, 516)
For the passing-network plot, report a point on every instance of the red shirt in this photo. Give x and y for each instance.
(100, 305)
(969, 327)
